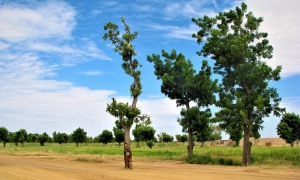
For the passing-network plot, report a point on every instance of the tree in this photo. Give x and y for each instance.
(233, 41)
(78, 136)
(181, 82)
(43, 138)
(166, 137)
(216, 132)
(150, 144)
(143, 133)
(20, 137)
(118, 132)
(126, 114)
(184, 138)
(32, 137)
(4, 135)
(289, 128)
(105, 137)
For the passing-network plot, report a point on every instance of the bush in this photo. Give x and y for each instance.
(150, 144)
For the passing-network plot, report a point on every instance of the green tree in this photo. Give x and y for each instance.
(184, 138)
(78, 136)
(118, 132)
(20, 137)
(105, 137)
(32, 137)
(127, 114)
(181, 82)
(143, 133)
(60, 138)
(150, 144)
(43, 138)
(4, 135)
(166, 137)
(216, 132)
(289, 128)
(233, 41)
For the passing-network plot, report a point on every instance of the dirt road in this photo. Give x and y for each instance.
(111, 167)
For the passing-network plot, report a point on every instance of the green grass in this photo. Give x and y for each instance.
(273, 156)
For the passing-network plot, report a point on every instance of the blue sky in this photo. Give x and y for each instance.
(57, 73)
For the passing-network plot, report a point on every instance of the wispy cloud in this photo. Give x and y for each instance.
(91, 73)
(282, 26)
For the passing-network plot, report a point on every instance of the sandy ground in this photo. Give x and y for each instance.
(111, 167)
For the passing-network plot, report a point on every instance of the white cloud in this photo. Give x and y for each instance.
(92, 73)
(46, 20)
(176, 31)
(282, 24)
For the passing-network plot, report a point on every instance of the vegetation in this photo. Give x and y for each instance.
(118, 132)
(181, 138)
(181, 82)
(20, 137)
(127, 114)
(289, 128)
(43, 138)
(78, 136)
(233, 41)
(3, 135)
(269, 156)
(105, 137)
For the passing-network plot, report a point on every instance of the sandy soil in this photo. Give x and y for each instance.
(111, 167)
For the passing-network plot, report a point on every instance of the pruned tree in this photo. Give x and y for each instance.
(78, 136)
(233, 41)
(4, 135)
(289, 128)
(127, 114)
(181, 83)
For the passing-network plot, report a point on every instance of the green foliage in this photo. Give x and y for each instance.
(60, 137)
(20, 137)
(4, 135)
(289, 128)
(43, 138)
(78, 136)
(118, 132)
(181, 138)
(150, 144)
(164, 137)
(143, 133)
(181, 82)
(233, 41)
(106, 136)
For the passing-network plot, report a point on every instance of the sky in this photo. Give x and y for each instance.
(58, 74)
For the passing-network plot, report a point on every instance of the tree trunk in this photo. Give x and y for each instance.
(191, 143)
(76, 144)
(4, 143)
(292, 144)
(246, 148)
(127, 150)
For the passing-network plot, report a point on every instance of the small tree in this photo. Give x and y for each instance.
(78, 136)
(43, 138)
(4, 135)
(118, 132)
(184, 138)
(20, 137)
(289, 128)
(105, 137)
(167, 138)
(150, 144)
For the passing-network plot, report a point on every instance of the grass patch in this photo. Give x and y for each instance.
(94, 152)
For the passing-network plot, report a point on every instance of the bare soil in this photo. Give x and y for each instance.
(111, 167)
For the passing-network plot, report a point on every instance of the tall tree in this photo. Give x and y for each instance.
(233, 41)
(118, 132)
(181, 82)
(127, 114)
(78, 136)
(289, 128)
(4, 135)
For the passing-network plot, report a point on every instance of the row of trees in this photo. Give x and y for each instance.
(232, 40)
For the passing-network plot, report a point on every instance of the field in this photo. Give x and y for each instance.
(164, 161)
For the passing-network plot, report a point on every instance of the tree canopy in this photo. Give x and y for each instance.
(78, 136)
(4, 135)
(181, 83)
(233, 41)
(289, 128)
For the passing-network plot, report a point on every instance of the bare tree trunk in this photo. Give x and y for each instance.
(246, 148)
(191, 143)
(127, 150)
